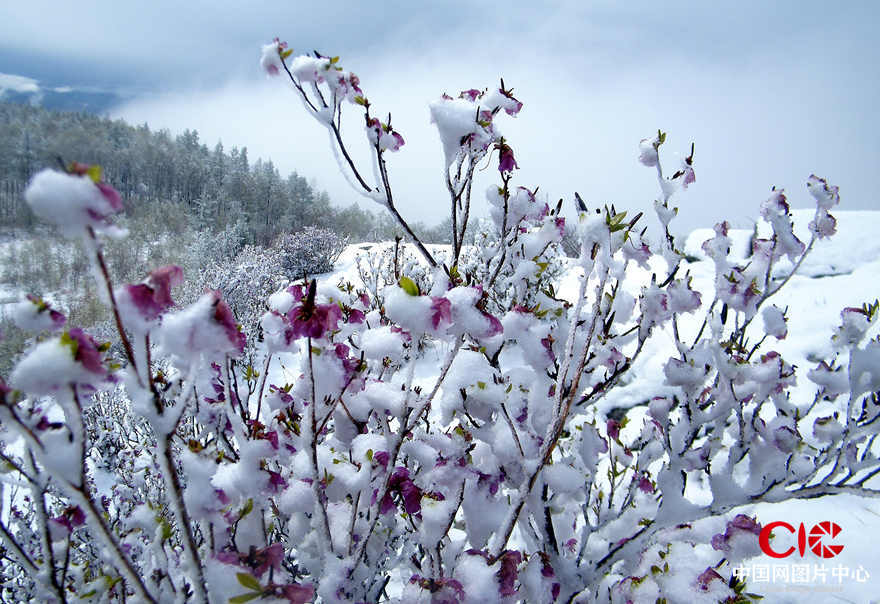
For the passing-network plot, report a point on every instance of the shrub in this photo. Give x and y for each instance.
(443, 443)
(309, 251)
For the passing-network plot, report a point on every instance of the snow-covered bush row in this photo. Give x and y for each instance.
(431, 437)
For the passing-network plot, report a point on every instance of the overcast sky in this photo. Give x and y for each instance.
(768, 92)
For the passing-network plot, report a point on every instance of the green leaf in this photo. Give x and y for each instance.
(409, 286)
(286, 53)
(94, 172)
(70, 343)
(167, 531)
(244, 598)
(247, 509)
(247, 580)
(369, 455)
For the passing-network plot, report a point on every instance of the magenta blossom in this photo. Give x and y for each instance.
(506, 161)
(224, 317)
(740, 525)
(441, 312)
(513, 106)
(313, 323)
(613, 428)
(510, 560)
(444, 590)
(6, 391)
(401, 484)
(495, 326)
(383, 136)
(298, 594)
(706, 577)
(152, 297)
(472, 95)
(257, 560)
(71, 518)
(85, 350)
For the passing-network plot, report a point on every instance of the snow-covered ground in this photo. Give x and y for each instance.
(844, 271)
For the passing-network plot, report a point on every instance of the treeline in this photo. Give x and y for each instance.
(211, 189)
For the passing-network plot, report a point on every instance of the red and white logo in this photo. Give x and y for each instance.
(818, 539)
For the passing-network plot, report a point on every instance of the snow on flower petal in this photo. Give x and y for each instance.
(383, 135)
(826, 196)
(34, 314)
(144, 302)
(648, 152)
(72, 358)
(73, 202)
(207, 327)
(270, 59)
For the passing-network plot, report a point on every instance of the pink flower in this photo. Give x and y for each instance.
(298, 594)
(506, 161)
(648, 152)
(472, 95)
(706, 577)
(513, 106)
(383, 135)
(411, 495)
(381, 458)
(740, 525)
(85, 351)
(613, 429)
(826, 196)
(823, 225)
(258, 560)
(224, 317)
(495, 326)
(441, 311)
(508, 571)
(689, 177)
(70, 518)
(277, 483)
(6, 390)
(153, 297)
(310, 320)
(273, 54)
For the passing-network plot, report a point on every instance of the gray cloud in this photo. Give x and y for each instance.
(768, 92)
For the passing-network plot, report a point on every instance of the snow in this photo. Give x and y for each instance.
(70, 202)
(840, 272)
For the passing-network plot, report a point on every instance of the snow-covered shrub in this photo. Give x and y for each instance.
(341, 466)
(214, 248)
(309, 251)
(242, 280)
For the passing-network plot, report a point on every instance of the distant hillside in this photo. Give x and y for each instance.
(29, 91)
(214, 188)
